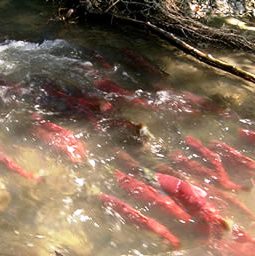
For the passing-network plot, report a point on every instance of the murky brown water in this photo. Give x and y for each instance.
(63, 213)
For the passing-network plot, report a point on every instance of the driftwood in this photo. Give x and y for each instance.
(200, 55)
(169, 21)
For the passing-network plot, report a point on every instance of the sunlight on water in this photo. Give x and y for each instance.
(74, 110)
(64, 213)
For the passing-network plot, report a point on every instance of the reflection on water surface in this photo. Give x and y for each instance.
(75, 109)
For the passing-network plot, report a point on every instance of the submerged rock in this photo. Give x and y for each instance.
(59, 234)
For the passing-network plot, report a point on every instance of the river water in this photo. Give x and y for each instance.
(46, 68)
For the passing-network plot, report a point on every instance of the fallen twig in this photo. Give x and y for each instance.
(111, 6)
(200, 55)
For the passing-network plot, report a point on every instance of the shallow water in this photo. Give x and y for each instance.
(62, 214)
